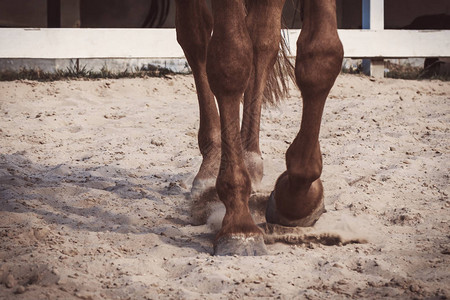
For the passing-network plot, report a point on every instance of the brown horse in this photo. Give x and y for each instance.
(232, 52)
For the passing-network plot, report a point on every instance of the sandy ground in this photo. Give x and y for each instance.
(95, 179)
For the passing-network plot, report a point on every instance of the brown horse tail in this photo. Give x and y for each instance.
(277, 87)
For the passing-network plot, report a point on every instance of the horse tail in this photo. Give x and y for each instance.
(277, 86)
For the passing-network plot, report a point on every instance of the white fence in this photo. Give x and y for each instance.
(373, 42)
(161, 43)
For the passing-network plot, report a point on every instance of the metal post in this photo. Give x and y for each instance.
(373, 19)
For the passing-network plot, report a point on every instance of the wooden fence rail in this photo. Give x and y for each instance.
(161, 43)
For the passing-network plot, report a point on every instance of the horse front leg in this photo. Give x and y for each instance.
(228, 67)
(298, 196)
(194, 26)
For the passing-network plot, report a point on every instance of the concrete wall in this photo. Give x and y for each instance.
(119, 13)
(132, 13)
(23, 13)
(349, 14)
(398, 13)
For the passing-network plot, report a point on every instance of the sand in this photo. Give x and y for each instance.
(95, 179)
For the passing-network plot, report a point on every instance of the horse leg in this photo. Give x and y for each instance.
(266, 37)
(298, 196)
(194, 26)
(228, 67)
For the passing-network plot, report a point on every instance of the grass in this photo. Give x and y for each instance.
(403, 71)
(74, 71)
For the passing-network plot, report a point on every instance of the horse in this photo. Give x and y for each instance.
(232, 49)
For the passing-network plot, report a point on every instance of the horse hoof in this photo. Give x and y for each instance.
(274, 217)
(240, 245)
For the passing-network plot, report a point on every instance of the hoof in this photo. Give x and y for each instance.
(274, 217)
(240, 245)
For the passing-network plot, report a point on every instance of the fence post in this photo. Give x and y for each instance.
(70, 14)
(373, 19)
(63, 13)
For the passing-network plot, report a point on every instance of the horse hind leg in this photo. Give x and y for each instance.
(265, 36)
(194, 26)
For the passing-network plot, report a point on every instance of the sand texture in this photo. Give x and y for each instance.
(95, 179)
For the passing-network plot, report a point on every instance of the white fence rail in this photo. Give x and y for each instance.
(161, 43)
